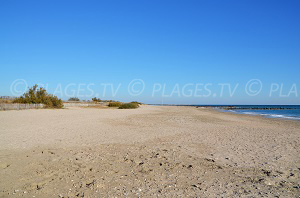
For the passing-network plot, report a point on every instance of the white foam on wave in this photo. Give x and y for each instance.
(273, 115)
(251, 113)
(284, 117)
(268, 115)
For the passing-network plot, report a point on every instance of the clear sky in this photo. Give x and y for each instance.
(170, 42)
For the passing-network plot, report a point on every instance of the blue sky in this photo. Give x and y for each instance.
(56, 43)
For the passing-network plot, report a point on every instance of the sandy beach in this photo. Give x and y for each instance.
(152, 151)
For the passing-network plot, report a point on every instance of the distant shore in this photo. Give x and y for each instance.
(149, 151)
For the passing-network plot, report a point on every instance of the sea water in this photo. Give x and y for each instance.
(286, 111)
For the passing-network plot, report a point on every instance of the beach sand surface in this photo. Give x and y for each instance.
(152, 151)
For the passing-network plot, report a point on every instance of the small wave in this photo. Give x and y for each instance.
(273, 115)
(283, 116)
(251, 113)
(267, 115)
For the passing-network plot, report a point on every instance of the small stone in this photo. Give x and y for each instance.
(270, 182)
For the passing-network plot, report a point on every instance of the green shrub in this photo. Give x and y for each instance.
(96, 99)
(135, 102)
(39, 96)
(6, 99)
(114, 104)
(129, 106)
(74, 99)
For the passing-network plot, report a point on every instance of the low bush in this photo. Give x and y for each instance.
(114, 104)
(135, 102)
(129, 106)
(96, 99)
(74, 99)
(39, 96)
(6, 100)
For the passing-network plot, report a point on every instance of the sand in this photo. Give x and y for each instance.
(147, 152)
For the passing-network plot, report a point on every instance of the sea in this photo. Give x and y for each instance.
(291, 112)
(277, 111)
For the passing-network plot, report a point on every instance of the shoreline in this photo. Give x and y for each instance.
(232, 108)
(268, 116)
(150, 151)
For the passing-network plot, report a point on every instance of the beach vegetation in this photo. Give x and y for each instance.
(37, 95)
(130, 105)
(96, 99)
(114, 104)
(74, 99)
(6, 99)
(135, 102)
